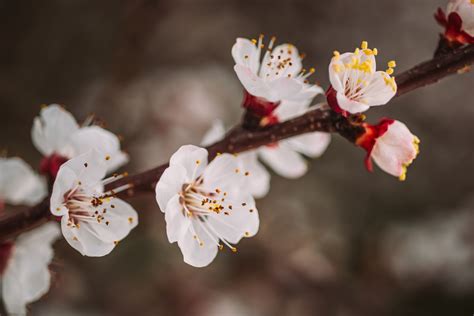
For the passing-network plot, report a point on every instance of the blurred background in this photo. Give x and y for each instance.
(339, 241)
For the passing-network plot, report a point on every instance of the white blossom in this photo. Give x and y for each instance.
(92, 221)
(206, 205)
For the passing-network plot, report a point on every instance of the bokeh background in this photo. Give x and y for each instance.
(338, 241)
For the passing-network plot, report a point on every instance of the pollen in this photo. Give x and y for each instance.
(392, 64)
(198, 162)
(247, 173)
(247, 234)
(107, 157)
(221, 247)
(130, 220)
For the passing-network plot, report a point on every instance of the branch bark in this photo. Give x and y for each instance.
(240, 139)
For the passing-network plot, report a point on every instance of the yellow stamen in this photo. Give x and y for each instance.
(364, 45)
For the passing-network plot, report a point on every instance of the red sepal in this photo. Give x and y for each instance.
(368, 139)
(50, 165)
(453, 27)
(331, 96)
(259, 106)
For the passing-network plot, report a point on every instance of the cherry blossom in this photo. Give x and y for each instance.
(391, 145)
(458, 21)
(278, 76)
(58, 136)
(92, 221)
(355, 84)
(206, 206)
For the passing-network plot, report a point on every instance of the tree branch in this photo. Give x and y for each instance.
(240, 139)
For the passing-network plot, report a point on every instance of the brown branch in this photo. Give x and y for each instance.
(239, 139)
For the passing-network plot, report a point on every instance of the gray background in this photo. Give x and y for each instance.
(339, 241)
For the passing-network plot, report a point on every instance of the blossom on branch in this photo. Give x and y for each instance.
(24, 272)
(206, 206)
(391, 145)
(92, 221)
(278, 76)
(355, 83)
(58, 136)
(458, 21)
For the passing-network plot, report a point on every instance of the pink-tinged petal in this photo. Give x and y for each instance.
(19, 184)
(176, 221)
(395, 150)
(312, 144)
(52, 128)
(284, 161)
(192, 158)
(214, 134)
(245, 53)
(170, 184)
(105, 142)
(252, 83)
(350, 106)
(197, 247)
(27, 276)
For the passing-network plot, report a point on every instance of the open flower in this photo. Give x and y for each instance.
(355, 84)
(206, 205)
(19, 184)
(92, 221)
(278, 76)
(458, 21)
(58, 137)
(258, 179)
(25, 274)
(391, 145)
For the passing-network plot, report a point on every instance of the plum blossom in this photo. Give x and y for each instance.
(58, 136)
(355, 84)
(391, 145)
(206, 206)
(92, 221)
(25, 275)
(278, 76)
(24, 272)
(458, 21)
(258, 179)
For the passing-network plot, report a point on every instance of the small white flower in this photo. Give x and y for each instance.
(458, 21)
(465, 10)
(205, 205)
(93, 221)
(258, 179)
(56, 133)
(19, 184)
(391, 145)
(278, 76)
(355, 84)
(26, 277)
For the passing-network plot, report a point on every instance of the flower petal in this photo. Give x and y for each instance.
(253, 83)
(197, 247)
(170, 184)
(245, 53)
(312, 144)
(350, 106)
(19, 184)
(214, 134)
(192, 158)
(52, 128)
(258, 179)
(284, 161)
(176, 222)
(223, 173)
(105, 142)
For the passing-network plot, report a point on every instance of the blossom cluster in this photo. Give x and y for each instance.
(208, 202)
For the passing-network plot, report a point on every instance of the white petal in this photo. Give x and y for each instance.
(176, 222)
(192, 158)
(240, 221)
(65, 181)
(245, 53)
(284, 161)
(19, 184)
(27, 277)
(258, 179)
(90, 167)
(52, 128)
(214, 134)
(379, 92)
(280, 53)
(350, 106)
(170, 184)
(253, 83)
(284, 88)
(223, 173)
(105, 142)
(291, 109)
(312, 144)
(197, 247)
